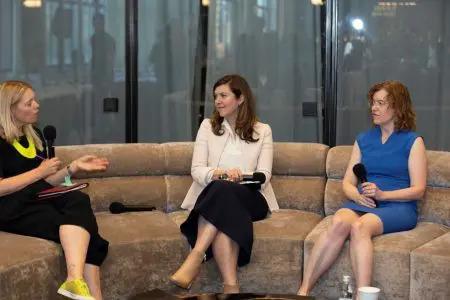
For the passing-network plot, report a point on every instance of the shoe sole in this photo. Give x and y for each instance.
(73, 296)
(179, 284)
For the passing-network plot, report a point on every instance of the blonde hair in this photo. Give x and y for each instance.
(11, 93)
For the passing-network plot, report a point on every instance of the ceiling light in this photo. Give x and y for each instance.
(32, 3)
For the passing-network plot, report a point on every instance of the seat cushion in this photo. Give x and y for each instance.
(391, 260)
(145, 248)
(430, 270)
(30, 268)
(276, 262)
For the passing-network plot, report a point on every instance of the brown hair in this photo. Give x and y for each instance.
(399, 99)
(246, 117)
(11, 93)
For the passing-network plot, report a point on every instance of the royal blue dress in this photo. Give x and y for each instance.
(387, 167)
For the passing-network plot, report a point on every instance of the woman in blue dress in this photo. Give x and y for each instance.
(395, 161)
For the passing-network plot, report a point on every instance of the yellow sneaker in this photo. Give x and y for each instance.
(75, 289)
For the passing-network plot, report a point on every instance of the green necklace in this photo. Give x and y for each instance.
(29, 152)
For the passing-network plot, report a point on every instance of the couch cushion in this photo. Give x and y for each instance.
(430, 270)
(306, 159)
(391, 260)
(30, 268)
(142, 190)
(125, 159)
(177, 188)
(299, 192)
(178, 157)
(276, 256)
(145, 248)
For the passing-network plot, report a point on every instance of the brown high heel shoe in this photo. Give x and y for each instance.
(231, 288)
(190, 268)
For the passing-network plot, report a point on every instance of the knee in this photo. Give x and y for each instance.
(339, 227)
(358, 230)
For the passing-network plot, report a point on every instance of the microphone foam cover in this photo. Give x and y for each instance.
(116, 207)
(360, 171)
(50, 132)
(259, 176)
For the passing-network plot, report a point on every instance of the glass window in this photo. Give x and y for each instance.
(72, 53)
(275, 45)
(394, 40)
(168, 31)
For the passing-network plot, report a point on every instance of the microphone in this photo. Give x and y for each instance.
(50, 136)
(118, 208)
(257, 176)
(360, 172)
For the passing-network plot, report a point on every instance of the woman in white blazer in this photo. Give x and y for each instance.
(228, 146)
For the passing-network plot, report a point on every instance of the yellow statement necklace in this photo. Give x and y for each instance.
(29, 152)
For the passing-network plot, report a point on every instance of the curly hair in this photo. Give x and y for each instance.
(399, 99)
(246, 117)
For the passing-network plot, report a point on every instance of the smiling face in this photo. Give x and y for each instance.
(382, 112)
(26, 111)
(226, 102)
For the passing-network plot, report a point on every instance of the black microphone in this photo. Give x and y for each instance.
(50, 136)
(257, 176)
(117, 208)
(360, 172)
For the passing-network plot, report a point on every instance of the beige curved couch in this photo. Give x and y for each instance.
(146, 247)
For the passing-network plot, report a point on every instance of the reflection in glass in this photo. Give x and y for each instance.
(62, 50)
(400, 40)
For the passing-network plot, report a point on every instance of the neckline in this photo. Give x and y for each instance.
(380, 138)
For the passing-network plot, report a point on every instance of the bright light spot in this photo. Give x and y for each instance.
(358, 24)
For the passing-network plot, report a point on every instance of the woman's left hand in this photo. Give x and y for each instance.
(89, 163)
(371, 190)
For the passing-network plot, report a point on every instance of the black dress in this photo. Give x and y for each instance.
(22, 213)
(231, 208)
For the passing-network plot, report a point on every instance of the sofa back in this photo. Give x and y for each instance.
(435, 207)
(159, 174)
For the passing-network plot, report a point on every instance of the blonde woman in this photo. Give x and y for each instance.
(24, 171)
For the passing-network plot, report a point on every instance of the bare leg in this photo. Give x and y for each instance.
(226, 252)
(205, 235)
(327, 248)
(186, 274)
(75, 241)
(361, 247)
(92, 276)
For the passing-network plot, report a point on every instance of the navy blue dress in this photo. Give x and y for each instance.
(387, 167)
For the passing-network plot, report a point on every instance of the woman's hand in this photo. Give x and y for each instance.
(366, 201)
(371, 190)
(89, 163)
(234, 175)
(49, 167)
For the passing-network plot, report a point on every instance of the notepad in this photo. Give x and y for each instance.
(60, 190)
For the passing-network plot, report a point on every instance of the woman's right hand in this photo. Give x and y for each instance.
(366, 201)
(49, 167)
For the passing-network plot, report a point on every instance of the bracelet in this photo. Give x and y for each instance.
(69, 172)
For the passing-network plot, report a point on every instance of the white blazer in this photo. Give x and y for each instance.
(208, 149)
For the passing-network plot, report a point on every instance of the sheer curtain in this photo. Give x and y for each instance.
(168, 31)
(275, 45)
